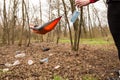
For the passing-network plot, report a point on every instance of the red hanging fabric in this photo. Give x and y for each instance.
(47, 27)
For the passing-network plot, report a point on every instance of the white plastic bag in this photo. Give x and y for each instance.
(17, 62)
(20, 55)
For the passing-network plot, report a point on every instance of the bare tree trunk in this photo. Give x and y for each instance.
(67, 21)
(79, 28)
(59, 27)
(50, 15)
(29, 34)
(89, 24)
(41, 36)
(23, 24)
(75, 25)
(103, 32)
(84, 27)
(4, 36)
(14, 21)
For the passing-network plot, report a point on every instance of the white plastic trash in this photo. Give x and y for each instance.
(20, 55)
(17, 62)
(56, 67)
(30, 62)
(5, 69)
(8, 64)
(50, 54)
(18, 52)
(45, 60)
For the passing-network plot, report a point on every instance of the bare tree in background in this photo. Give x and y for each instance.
(59, 26)
(52, 6)
(81, 23)
(50, 15)
(5, 25)
(67, 21)
(28, 36)
(90, 23)
(23, 23)
(14, 16)
(41, 22)
(76, 28)
(103, 32)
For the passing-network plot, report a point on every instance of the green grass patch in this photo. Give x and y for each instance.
(89, 77)
(85, 77)
(89, 41)
(4, 72)
(64, 40)
(58, 78)
(95, 41)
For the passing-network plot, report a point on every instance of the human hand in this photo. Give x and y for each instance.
(80, 3)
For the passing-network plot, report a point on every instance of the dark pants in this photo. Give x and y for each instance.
(114, 23)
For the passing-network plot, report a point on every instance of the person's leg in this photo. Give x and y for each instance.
(114, 23)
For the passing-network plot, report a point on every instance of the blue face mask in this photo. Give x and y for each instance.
(75, 16)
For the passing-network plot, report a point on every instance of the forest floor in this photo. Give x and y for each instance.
(91, 62)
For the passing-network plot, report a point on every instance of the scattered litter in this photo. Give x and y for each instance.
(68, 66)
(18, 52)
(5, 69)
(45, 49)
(8, 64)
(45, 60)
(17, 62)
(56, 67)
(50, 54)
(20, 55)
(30, 62)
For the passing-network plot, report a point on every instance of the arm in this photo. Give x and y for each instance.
(80, 3)
(92, 1)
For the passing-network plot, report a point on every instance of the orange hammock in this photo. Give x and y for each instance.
(47, 27)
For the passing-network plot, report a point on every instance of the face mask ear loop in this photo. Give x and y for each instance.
(76, 8)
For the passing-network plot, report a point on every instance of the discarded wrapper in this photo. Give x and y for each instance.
(18, 52)
(5, 69)
(17, 62)
(45, 60)
(56, 67)
(50, 54)
(8, 64)
(20, 55)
